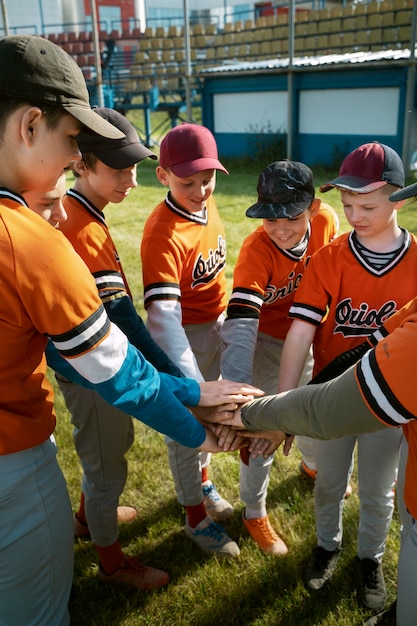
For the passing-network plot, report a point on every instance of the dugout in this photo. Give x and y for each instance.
(336, 102)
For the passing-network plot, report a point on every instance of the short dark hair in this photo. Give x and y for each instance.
(90, 160)
(53, 114)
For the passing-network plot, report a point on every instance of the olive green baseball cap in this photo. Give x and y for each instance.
(35, 70)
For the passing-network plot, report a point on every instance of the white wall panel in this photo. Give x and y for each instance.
(349, 111)
(263, 111)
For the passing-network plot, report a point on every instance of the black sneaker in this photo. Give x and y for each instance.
(371, 584)
(384, 618)
(321, 567)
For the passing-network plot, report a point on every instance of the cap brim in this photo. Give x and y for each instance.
(355, 184)
(183, 170)
(273, 211)
(125, 156)
(94, 122)
(406, 192)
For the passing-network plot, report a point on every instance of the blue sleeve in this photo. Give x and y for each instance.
(122, 312)
(186, 390)
(140, 391)
(161, 407)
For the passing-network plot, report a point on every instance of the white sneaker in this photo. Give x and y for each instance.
(212, 538)
(217, 507)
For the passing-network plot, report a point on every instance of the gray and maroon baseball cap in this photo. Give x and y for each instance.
(285, 189)
(368, 168)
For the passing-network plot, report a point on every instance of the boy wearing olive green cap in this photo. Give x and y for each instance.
(43, 106)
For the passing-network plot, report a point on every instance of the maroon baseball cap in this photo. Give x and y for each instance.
(368, 168)
(285, 189)
(188, 149)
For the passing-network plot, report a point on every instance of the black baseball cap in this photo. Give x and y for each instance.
(35, 70)
(285, 189)
(368, 168)
(116, 153)
(406, 192)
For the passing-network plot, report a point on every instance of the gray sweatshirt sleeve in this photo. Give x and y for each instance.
(165, 327)
(239, 339)
(326, 411)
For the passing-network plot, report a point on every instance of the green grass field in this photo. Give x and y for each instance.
(255, 589)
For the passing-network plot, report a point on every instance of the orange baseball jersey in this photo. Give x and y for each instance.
(49, 292)
(87, 231)
(341, 288)
(184, 258)
(394, 321)
(36, 303)
(266, 278)
(386, 379)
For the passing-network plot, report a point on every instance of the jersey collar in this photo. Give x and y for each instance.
(187, 215)
(11, 195)
(88, 206)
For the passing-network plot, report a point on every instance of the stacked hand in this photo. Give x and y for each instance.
(232, 435)
(220, 400)
(224, 392)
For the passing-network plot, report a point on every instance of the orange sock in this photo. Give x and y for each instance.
(204, 474)
(81, 511)
(111, 557)
(196, 514)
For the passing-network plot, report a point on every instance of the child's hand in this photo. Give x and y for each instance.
(211, 443)
(287, 445)
(262, 447)
(216, 392)
(276, 437)
(229, 439)
(212, 415)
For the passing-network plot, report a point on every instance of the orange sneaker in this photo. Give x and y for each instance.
(312, 474)
(125, 515)
(261, 531)
(304, 469)
(348, 491)
(135, 574)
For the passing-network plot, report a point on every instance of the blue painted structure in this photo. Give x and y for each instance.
(384, 72)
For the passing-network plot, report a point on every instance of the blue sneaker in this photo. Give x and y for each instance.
(212, 538)
(217, 507)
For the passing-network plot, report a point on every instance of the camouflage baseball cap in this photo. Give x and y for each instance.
(37, 71)
(285, 189)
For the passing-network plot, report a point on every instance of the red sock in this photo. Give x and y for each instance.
(111, 557)
(244, 455)
(204, 474)
(196, 514)
(81, 511)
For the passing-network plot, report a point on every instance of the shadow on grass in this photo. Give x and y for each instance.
(265, 599)
(112, 604)
(254, 590)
